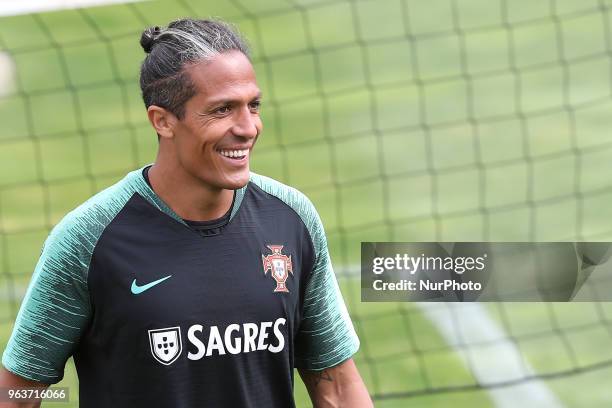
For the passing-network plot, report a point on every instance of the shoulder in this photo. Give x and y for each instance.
(80, 229)
(289, 195)
(301, 205)
(293, 198)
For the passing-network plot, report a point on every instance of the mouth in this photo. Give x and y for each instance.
(236, 156)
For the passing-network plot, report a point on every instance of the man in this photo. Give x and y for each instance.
(192, 282)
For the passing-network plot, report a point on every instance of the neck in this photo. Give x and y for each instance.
(186, 195)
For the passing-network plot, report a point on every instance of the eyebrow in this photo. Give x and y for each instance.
(229, 100)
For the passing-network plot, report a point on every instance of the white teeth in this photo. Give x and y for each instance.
(234, 153)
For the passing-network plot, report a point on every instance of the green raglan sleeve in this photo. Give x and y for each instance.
(56, 307)
(326, 337)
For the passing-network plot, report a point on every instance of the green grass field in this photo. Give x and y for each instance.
(401, 120)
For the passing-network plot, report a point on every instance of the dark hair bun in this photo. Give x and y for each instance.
(149, 37)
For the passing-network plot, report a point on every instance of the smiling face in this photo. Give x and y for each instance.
(214, 139)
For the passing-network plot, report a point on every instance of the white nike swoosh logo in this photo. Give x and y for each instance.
(139, 289)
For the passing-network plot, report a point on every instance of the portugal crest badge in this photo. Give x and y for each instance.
(279, 266)
(166, 344)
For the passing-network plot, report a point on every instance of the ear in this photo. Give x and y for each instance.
(162, 120)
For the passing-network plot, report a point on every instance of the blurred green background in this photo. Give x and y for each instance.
(402, 120)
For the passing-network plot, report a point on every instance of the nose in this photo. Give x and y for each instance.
(248, 124)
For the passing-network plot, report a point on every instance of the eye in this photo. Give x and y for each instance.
(255, 105)
(223, 110)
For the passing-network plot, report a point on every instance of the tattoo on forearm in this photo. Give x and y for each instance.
(321, 376)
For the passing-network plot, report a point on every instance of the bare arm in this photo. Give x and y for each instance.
(12, 381)
(338, 386)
